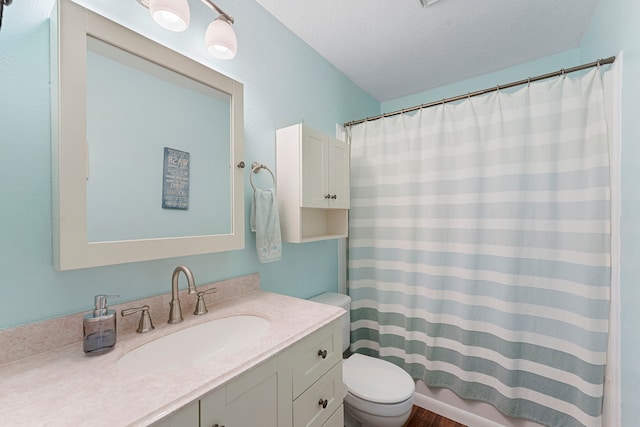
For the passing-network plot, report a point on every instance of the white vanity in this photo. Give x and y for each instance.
(302, 386)
(291, 376)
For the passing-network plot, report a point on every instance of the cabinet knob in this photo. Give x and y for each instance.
(335, 196)
(327, 196)
(323, 403)
(322, 353)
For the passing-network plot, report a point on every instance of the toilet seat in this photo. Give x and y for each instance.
(390, 385)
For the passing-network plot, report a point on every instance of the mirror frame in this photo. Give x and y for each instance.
(70, 26)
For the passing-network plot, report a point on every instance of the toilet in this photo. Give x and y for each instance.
(379, 393)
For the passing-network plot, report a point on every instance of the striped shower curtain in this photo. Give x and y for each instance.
(479, 249)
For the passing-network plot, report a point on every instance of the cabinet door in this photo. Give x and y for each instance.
(187, 416)
(213, 408)
(257, 398)
(314, 164)
(338, 175)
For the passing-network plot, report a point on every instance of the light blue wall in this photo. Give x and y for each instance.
(285, 82)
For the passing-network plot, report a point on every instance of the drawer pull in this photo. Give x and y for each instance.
(322, 353)
(323, 403)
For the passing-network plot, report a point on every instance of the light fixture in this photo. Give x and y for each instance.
(3, 3)
(170, 14)
(220, 39)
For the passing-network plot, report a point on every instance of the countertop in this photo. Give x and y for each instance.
(67, 388)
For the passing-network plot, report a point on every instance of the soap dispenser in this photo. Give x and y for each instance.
(99, 327)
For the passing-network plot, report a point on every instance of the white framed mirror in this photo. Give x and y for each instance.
(146, 145)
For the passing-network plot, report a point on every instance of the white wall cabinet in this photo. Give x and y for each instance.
(324, 167)
(312, 184)
(301, 387)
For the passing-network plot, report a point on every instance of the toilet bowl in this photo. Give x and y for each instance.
(379, 393)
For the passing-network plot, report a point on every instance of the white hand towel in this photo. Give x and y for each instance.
(264, 221)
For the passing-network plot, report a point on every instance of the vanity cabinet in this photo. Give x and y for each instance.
(260, 397)
(318, 390)
(300, 387)
(186, 416)
(312, 184)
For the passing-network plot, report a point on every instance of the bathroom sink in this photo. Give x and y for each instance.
(194, 345)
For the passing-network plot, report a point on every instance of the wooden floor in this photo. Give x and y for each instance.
(422, 418)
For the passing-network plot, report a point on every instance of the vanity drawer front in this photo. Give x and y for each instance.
(315, 355)
(320, 401)
(337, 419)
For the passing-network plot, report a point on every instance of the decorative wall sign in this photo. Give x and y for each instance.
(175, 183)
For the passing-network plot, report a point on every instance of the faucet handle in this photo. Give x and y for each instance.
(145, 325)
(201, 307)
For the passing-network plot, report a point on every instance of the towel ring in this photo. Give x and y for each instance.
(255, 168)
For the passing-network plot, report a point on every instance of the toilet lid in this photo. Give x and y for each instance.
(376, 380)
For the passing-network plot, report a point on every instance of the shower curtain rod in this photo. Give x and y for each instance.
(561, 72)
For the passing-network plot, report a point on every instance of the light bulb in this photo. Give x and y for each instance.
(170, 14)
(220, 39)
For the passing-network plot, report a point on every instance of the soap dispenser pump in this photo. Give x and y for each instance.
(99, 327)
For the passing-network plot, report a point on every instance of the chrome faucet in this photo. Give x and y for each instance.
(175, 311)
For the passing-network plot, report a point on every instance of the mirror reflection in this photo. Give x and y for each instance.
(136, 111)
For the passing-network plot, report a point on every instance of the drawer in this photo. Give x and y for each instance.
(314, 355)
(316, 405)
(337, 419)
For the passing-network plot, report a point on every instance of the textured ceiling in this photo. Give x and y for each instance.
(393, 48)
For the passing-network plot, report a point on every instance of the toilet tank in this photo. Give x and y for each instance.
(339, 300)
